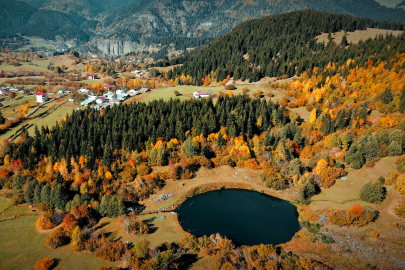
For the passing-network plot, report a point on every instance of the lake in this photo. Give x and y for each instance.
(246, 217)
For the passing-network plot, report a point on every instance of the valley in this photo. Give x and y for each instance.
(192, 135)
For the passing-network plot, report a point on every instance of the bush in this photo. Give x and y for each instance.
(44, 264)
(230, 87)
(372, 192)
(45, 223)
(57, 239)
(356, 216)
(399, 207)
(176, 93)
(112, 251)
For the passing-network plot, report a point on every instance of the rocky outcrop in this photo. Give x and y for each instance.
(119, 47)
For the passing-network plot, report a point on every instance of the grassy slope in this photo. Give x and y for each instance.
(21, 246)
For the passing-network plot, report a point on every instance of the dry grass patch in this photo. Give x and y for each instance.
(356, 36)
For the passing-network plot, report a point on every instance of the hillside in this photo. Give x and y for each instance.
(284, 44)
(214, 18)
(18, 17)
(85, 8)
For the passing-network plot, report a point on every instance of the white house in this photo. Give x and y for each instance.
(133, 92)
(120, 92)
(3, 90)
(92, 97)
(86, 102)
(42, 97)
(201, 94)
(92, 76)
(101, 100)
(83, 91)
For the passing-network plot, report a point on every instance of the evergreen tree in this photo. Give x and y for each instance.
(386, 96)
(402, 101)
(29, 191)
(46, 194)
(190, 149)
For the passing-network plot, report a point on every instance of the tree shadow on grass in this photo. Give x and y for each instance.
(186, 261)
(101, 225)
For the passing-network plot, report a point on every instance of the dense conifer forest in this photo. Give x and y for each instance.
(285, 44)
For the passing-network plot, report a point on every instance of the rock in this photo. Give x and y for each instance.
(119, 47)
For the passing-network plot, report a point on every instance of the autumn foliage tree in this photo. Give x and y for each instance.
(44, 264)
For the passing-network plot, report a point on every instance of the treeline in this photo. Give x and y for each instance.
(133, 127)
(285, 44)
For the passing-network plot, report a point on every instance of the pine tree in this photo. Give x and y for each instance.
(402, 101)
(190, 149)
(46, 194)
(386, 96)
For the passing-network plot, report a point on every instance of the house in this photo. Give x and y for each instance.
(92, 97)
(60, 91)
(83, 91)
(133, 92)
(138, 73)
(201, 94)
(109, 87)
(115, 102)
(101, 100)
(144, 90)
(41, 97)
(3, 90)
(120, 92)
(92, 76)
(122, 96)
(71, 100)
(86, 102)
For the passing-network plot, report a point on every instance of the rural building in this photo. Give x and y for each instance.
(122, 96)
(42, 97)
(92, 97)
(138, 73)
(60, 91)
(115, 102)
(133, 92)
(86, 102)
(201, 94)
(83, 91)
(3, 90)
(101, 100)
(109, 87)
(71, 100)
(120, 92)
(144, 90)
(92, 76)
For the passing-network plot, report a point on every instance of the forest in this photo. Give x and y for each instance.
(285, 44)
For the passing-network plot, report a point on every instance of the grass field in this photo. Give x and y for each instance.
(48, 120)
(166, 230)
(21, 246)
(356, 36)
(4, 203)
(186, 92)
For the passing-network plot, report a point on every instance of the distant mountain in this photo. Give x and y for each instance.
(93, 9)
(212, 18)
(20, 18)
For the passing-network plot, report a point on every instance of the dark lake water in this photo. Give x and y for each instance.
(246, 217)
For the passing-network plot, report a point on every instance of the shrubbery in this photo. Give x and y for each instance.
(357, 216)
(372, 192)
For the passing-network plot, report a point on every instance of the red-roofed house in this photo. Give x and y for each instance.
(200, 94)
(109, 87)
(101, 100)
(92, 76)
(42, 97)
